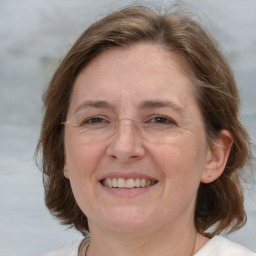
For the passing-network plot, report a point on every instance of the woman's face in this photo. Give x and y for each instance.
(155, 164)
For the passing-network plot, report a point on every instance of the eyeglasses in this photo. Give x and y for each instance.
(156, 128)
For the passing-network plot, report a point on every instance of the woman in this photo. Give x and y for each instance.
(141, 142)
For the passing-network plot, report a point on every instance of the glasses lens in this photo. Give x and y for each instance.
(99, 128)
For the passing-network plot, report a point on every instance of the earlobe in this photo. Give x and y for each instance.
(66, 171)
(65, 168)
(217, 157)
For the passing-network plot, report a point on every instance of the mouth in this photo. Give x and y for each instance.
(130, 183)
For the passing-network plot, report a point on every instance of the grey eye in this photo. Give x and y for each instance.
(161, 120)
(94, 120)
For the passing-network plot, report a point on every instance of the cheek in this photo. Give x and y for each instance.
(182, 161)
(82, 158)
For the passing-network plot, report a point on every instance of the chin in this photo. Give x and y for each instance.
(127, 221)
(129, 226)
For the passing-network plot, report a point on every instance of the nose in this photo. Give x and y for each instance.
(126, 144)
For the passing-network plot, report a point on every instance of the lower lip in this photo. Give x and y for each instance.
(127, 192)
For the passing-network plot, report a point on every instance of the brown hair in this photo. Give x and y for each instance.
(219, 204)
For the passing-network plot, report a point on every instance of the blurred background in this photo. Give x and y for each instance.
(34, 36)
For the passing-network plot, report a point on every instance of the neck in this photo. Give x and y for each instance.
(175, 243)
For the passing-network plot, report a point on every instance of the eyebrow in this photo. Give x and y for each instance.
(94, 104)
(148, 104)
(152, 104)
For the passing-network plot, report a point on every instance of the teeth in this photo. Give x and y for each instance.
(105, 182)
(129, 183)
(120, 183)
(110, 183)
(114, 183)
(137, 183)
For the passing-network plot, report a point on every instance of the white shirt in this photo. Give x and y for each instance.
(217, 246)
(220, 246)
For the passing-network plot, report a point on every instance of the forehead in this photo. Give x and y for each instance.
(133, 74)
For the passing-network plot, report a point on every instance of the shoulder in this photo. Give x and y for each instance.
(71, 250)
(220, 246)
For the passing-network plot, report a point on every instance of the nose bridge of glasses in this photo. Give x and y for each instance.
(126, 122)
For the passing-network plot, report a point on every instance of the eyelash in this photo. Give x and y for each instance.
(158, 119)
(166, 120)
(94, 120)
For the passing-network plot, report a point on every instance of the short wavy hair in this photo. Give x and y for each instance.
(220, 204)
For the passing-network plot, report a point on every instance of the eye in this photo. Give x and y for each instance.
(161, 120)
(95, 120)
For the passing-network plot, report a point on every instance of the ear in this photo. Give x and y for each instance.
(66, 171)
(217, 157)
(65, 167)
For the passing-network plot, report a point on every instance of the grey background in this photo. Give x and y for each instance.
(34, 36)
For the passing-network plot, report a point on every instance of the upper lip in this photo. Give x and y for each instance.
(126, 175)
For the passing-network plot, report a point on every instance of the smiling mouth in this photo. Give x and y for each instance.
(127, 183)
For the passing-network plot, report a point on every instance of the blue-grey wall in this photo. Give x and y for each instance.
(34, 35)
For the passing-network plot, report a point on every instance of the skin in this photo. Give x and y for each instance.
(160, 220)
